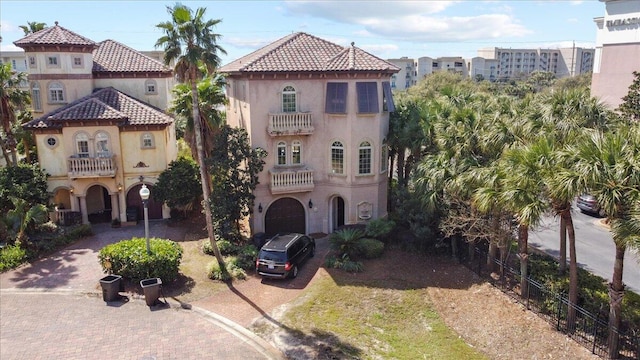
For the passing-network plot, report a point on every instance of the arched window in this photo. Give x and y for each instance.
(56, 92)
(337, 158)
(147, 141)
(36, 100)
(289, 99)
(364, 158)
(102, 145)
(282, 153)
(82, 145)
(296, 153)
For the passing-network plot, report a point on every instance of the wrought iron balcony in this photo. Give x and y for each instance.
(83, 167)
(291, 181)
(290, 124)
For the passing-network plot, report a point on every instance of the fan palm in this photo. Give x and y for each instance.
(12, 99)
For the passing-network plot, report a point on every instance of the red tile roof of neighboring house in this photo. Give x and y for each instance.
(301, 52)
(54, 35)
(103, 104)
(112, 56)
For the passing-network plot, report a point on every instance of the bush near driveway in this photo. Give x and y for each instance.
(11, 257)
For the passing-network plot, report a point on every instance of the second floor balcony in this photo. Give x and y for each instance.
(84, 167)
(297, 123)
(291, 181)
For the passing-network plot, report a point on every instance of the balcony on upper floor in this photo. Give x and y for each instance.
(295, 123)
(291, 181)
(86, 167)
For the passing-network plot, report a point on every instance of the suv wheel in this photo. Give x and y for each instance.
(294, 272)
(313, 251)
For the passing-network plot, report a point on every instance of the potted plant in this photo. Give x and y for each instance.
(115, 223)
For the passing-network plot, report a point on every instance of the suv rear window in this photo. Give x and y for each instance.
(278, 256)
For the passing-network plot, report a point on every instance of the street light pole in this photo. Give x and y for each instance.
(144, 194)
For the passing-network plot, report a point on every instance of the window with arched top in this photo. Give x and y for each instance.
(281, 153)
(289, 99)
(36, 99)
(82, 145)
(296, 153)
(337, 158)
(102, 144)
(364, 158)
(150, 87)
(56, 92)
(147, 141)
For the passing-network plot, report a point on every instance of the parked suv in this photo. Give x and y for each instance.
(281, 256)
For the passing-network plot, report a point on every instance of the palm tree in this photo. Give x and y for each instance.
(12, 99)
(32, 27)
(190, 41)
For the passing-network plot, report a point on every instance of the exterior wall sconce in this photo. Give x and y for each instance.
(260, 207)
(71, 189)
(119, 187)
(310, 204)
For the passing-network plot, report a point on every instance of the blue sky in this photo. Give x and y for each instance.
(388, 29)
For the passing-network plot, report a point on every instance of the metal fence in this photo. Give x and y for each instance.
(588, 329)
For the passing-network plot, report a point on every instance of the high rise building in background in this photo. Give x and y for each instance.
(617, 53)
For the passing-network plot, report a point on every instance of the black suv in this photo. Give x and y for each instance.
(282, 254)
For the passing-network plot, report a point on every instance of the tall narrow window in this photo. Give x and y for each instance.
(387, 98)
(337, 158)
(336, 102)
(296, 153)
(82, 145)
(282, 153)
(367, 97)
(384, 157)
(289, 99)
(32, 61)
(36, 100)
(102, 145)
(364, 158)
(56, 92)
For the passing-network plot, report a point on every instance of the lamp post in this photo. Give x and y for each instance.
(144, 194)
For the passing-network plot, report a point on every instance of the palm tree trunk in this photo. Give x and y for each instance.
(573, 270)
(204, 178)
(523, 244)
(401, 157)
(616, 293)
(491, 255)
(562, 268)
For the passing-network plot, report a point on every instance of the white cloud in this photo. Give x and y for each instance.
(379, 49)
(248, 43)
(354, 12)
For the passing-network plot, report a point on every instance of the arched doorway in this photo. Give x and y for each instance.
(337, 212)
(283, 216)
(134, 200)
(98, 204)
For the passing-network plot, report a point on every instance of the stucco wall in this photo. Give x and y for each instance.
(136, 88)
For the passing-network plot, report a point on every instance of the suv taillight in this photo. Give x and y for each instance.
(287, 266)
(257, 263)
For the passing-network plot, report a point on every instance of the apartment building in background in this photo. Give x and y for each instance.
(412, 70)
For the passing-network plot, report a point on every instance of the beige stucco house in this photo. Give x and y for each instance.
(99, 122)
(321, 111)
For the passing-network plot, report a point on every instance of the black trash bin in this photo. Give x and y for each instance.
(132, 213)
(151, 289)
(259, 239)
(111, 286)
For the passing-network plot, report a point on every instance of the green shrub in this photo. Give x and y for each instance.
(247, 256)
(215, 271)
(346, 241)
(129, 259)
(379, 228)
(226, 247)
(370, 248)
(344, 263)
(11, 257)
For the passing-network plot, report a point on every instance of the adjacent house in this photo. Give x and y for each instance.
(321, 111)
(99, 123)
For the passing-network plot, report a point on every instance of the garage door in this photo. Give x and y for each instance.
(133, 199)
(283, 216)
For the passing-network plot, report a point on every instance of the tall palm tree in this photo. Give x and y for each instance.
(12, 99)
(190, 41)
(32, 27)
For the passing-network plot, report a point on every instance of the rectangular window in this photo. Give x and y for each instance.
(32, 61)
(14, 65)
(336, 102)
(77, 61)
(35, 99)
(56, 95)
(282, 154)
(384, 158)
(289, 102)
(52, 60)
(83, 148)
(337, 160)
(367, 97)
(364, 163)
(387, 97)
(296, 153)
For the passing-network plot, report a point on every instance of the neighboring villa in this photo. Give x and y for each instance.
(321, 111)
(99, 123)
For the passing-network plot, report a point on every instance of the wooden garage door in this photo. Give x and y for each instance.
(133, 199)
(283, 216)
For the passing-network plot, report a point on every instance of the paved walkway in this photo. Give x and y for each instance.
(53, 309)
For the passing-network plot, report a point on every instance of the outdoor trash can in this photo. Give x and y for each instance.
(151, 288)
(110, 287)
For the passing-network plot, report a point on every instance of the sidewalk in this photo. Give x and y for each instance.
(53, 308)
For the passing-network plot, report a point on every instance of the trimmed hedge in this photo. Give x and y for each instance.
(370, 248)
(129, 259)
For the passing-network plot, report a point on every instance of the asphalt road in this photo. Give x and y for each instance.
(595, 250)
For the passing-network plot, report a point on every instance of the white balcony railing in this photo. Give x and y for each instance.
(291, 181)
(290, 124)
(91, 167)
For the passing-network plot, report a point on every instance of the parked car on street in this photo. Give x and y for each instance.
(587, 203)
(281, 256)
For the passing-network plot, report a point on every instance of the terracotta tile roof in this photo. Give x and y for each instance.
(54, 35)
(103, 104)
(112, 56)
(301, 52)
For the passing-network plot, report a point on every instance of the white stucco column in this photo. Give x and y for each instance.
(83, 209)
(115, 205)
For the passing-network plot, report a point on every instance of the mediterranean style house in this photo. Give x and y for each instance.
(321, 111)
(99, 125)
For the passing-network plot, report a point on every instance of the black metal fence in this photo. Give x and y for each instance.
(589, 330)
